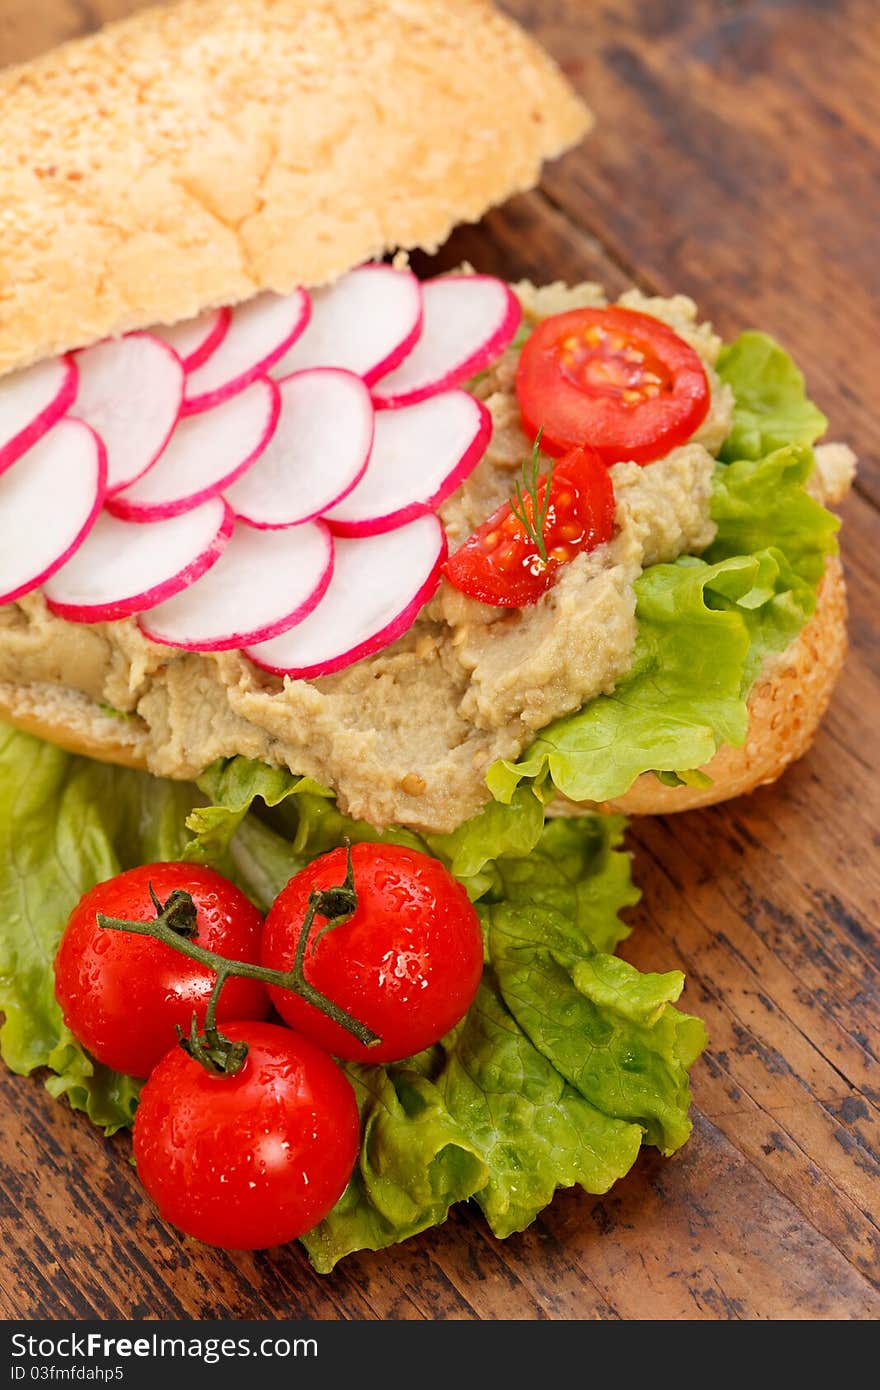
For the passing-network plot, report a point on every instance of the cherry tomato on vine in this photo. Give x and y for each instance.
(121, 995)
(253, 1159)
(502, 563)
(613, 378)
(407, 962)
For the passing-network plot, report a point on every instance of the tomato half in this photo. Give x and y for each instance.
(501, 564)
(253, 1159)
(620, 381)
(407, 963)
(121, 995)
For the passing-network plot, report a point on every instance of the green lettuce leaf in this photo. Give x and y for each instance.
(65, 824)
(771, 406)
(549, 940)
(609, 1030)
(705, 627)
(535, 1132)
(231, 786)
(763, 504)
(261, 861)
(492, 1119)
(415, 1162)
(580, 869)
(539, 1110)
(511, 830)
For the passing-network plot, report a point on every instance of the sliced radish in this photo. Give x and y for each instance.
(379, 585)
(421, 453)
(130, 391)
(30, 403)
(263, 583)
(366, 322)
(195, 339)
(205, 453)
(49, 499)
(468, 321)
(259, 332)
(317, 454)
(125, 567)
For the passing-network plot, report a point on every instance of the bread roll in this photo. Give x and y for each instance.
(198, 154)
(193, 155)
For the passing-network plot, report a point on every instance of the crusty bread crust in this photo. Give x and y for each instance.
(194, 155)
(71, 720)
(784, 713)
(785, 708)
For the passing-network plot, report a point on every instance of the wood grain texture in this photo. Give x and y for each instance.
(736, 157)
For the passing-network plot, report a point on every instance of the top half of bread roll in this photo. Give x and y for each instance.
(196, 154)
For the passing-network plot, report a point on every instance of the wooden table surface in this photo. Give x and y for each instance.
(735, 158)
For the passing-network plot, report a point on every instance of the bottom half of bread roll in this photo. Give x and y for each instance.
(785, 708)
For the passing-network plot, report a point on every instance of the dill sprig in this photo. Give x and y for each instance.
(529, 488)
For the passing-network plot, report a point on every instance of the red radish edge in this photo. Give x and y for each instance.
(84, 531)
(125, 608)
(162, 511)
(318, 514)
(390, 633)
(488, 352)
(210, 342)
(396, 355)
(219, 323)
(276, 629)
(260, 368)
(378, 524)
(119, 487)
(42, 423)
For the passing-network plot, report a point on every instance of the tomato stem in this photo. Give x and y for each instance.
(179, 911)
(175, 924)
(210, 1048)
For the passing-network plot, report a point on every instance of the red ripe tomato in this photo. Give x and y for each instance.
(122, 995)
(620, 381)
(501, 563)
(252, 1159)
(407, 963)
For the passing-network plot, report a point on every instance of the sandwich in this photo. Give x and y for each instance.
(298, 551)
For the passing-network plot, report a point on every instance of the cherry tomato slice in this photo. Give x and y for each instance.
(620, 381)
(122, 995)
(501, 563)
(253, 1159)
(407, 963)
